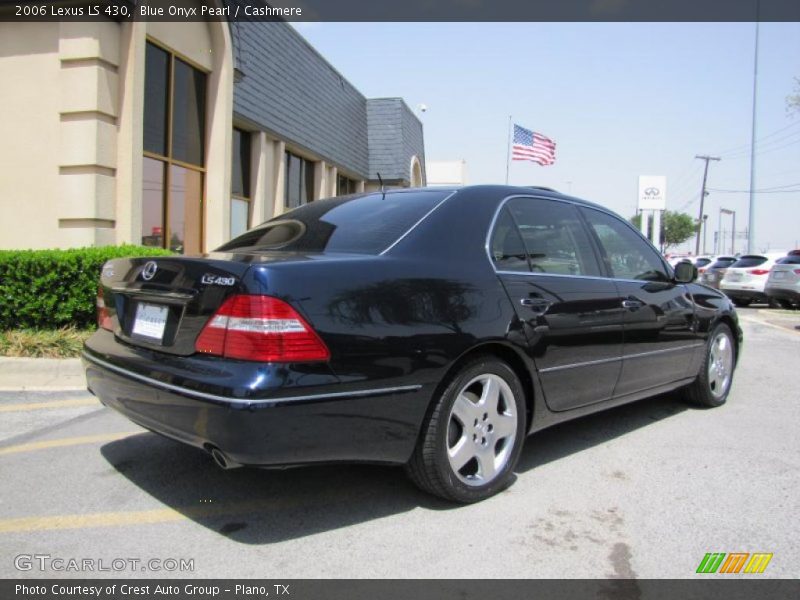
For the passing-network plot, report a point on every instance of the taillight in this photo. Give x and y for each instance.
(797, 271)
(260, 328)
(701, 270)
(103, 316)
(758, 271)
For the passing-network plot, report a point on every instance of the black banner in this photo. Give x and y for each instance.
(404, 10)
(712, 588)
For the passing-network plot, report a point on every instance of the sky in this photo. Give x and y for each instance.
(619, 99)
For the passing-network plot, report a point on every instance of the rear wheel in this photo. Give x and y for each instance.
(471, 440)
(713, 384)
(742, 302)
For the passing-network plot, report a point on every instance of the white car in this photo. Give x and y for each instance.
(783, 284)
(745, 280)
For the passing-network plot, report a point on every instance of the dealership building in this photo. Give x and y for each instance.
(181, 135)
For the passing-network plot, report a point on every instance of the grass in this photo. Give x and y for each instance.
(43, 343)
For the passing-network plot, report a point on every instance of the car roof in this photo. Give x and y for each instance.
(497, 190)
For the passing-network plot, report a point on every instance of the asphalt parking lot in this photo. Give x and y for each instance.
(643, 490)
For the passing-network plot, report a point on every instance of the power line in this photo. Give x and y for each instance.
(746, 147)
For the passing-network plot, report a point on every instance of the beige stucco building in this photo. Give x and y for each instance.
(180, 134)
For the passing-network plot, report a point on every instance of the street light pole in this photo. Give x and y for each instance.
(727, 211)
(751, 208)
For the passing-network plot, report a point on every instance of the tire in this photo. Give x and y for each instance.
(742, 302)
(713, 384)
(477, 422)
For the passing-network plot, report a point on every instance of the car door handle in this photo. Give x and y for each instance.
(537, 304)
(632, 304)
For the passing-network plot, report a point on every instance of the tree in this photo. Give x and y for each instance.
(676, 228)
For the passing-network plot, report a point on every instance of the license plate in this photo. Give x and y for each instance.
(735, 277)
(150, 321)
(779, 275)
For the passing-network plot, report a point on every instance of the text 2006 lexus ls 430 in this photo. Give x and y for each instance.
(426, 327)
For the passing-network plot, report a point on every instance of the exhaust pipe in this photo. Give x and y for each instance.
(223, 461)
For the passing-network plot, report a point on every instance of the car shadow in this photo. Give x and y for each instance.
(254, 506)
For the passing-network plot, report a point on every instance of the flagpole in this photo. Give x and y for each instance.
(508, 148)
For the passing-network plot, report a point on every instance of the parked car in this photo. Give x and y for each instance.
(431, 328)
(701, 261)
(712, 273)
(783, 283)
(674, 259)
(745, 279)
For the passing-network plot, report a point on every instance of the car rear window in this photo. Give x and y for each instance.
(790, 260)
(749, 261)
(362, 224)
(702, 262)
(722, 263)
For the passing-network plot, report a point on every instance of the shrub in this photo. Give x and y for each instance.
(49, 289)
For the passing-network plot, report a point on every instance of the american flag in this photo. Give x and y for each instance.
(529, 145)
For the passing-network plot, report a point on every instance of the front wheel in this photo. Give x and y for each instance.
(713, 384)
(472, 437)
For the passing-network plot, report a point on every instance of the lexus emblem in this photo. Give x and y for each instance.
(149, 271)
(652, 191)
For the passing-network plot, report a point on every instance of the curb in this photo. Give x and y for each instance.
(41, 374)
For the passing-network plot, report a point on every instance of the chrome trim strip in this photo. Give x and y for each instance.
(616, 358)
(246, 401)
(588, 363)
(537, 274)
(414, 226)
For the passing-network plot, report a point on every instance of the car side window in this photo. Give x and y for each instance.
(555, 239)
(627, 255)
(508, 251)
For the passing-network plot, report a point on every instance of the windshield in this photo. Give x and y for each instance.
(361, 224)
(749, 261)
(722, 263)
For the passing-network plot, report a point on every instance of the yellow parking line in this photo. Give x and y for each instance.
(73, 441)
(140, 517)
(51, 404)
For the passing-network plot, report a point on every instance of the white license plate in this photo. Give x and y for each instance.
(150, 321)
(779, 275)
(734, 277)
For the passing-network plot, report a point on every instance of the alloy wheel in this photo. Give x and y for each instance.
(481, 429)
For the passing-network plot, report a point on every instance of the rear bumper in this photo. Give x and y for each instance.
(779, 293)
(747, 294)
(330, 424)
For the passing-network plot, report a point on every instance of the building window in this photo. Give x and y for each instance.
(174, 152)
(240, 183)
(299, 181)
(345, 185)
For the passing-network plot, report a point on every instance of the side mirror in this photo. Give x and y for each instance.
(685, 272)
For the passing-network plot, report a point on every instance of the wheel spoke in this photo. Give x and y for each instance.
(505, 426)
(464, 410)
(486, 467)
(461, 453)
(490, 397)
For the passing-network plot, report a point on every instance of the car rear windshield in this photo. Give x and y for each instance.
(702, 262)
(790, 260)
(749, 261)
(362, 224)
(722, 263)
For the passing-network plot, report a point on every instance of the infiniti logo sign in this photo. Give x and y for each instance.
(149, 270)
(652, 191)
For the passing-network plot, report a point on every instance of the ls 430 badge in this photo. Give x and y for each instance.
(209, 279)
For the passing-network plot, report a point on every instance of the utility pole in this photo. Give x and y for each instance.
(702, 199)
